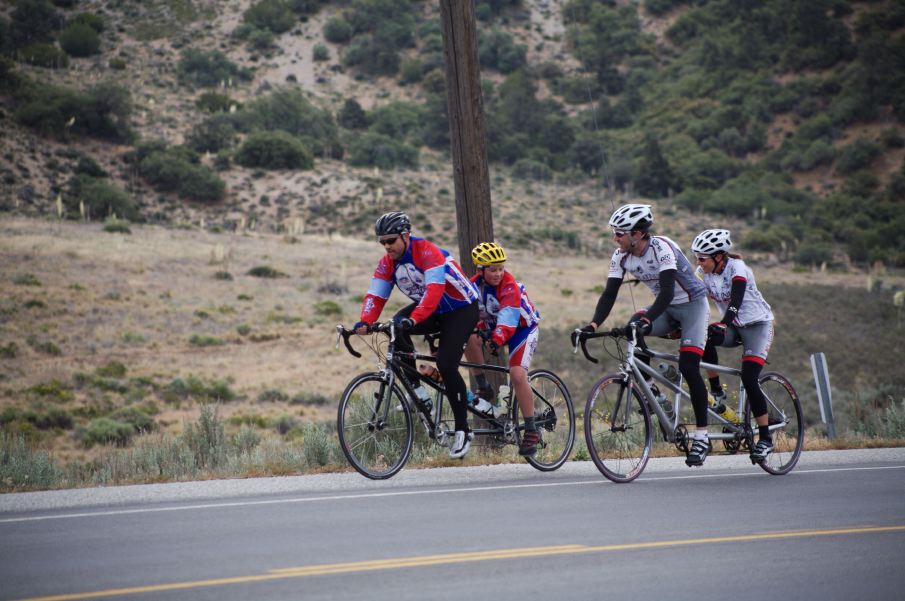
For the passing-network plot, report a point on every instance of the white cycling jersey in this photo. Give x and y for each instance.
(661, 254)
(754, 308)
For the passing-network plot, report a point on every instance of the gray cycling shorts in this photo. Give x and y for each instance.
(755, 338)
(691, 318)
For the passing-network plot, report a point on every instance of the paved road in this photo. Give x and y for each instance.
(832, 529)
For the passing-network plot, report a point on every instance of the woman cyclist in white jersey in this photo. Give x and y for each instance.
(747, 320)
(680, 302)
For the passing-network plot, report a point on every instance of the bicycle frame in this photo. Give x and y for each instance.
(637, 372)
(431, 419)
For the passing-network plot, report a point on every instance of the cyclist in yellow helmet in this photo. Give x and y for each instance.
(507, 316)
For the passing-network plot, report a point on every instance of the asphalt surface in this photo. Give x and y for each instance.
(834, 528)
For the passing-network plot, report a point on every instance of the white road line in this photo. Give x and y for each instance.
(375, 495)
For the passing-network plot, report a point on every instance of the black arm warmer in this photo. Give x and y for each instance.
(664, 298)
(606, 301)
(736, 294)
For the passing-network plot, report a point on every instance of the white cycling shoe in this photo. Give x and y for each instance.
(461, 444)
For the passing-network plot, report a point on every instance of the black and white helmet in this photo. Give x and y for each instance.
(711, 241)
(395, 222)
(632, 217)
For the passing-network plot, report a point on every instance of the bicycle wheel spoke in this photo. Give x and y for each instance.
(554, 417)
(374, 436)
(784, 410)
(617, 430)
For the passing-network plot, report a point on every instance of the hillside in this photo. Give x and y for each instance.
(752, 116)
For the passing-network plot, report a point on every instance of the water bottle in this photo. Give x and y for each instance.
(470, 397)
(424, 396)
(723, 410)
(668, 371)
(503, 398)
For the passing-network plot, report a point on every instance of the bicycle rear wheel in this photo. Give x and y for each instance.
(783, 407)
(617, 429)
(374, 426)
(555, 419)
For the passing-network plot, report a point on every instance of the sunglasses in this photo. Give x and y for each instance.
(620, 233)
(388, 241)
(703, 258)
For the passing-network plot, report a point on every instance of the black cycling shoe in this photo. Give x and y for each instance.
(529, 443)
(761, 451)
(698, 452)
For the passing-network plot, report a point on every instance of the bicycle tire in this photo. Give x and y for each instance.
(555, 418)
(619, 442)
(376, 449)
(782, 400)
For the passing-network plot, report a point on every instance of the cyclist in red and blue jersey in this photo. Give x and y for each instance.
(443, 300)
(680, 303)
(509, 317)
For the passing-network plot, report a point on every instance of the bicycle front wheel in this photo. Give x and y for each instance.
(617, 429)
(784, 408)
(554, 416)
(374, 426)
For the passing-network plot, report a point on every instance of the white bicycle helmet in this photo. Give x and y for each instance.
(632, 217)
(711, 241)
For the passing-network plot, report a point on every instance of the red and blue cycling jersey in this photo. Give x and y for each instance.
(505, 307)
(427, 274)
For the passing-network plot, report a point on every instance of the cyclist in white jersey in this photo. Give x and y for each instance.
(747, 320)
(680, 302)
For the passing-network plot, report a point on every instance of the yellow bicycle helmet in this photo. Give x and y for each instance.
(488, 253)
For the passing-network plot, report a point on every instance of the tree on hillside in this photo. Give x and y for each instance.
(655, 176)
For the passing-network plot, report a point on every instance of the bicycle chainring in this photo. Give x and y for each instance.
(682, 438)
(733, 445)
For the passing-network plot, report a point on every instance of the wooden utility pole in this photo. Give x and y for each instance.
(465, 106)
(466, 127)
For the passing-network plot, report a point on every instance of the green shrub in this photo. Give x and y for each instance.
(177, 170)
(316, 444)
(9, 350)
(52, 390)
(205, 340)
(272, 396)
(207, 69)
(531, 170)
(80, 40)
(43, 55)
(814, 252)
(26, 279)
(378, 150)
(223, 275)
(207, 438)
(214, 134)
(320, 53)
(328, 308)
(352, 116)
(117, 226)
(92, 20)
(856, 155)
(214, 102)
(44, 346)
(337, 30)
(398, 120)
(99, 198)
(273, 15)
(138, 419)
(264, 271)
(104, 430)
(23, 466)
(288, 110)
(117, 64)
(274, 150)
(33, 21)
(112, 369)
(102, 112)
